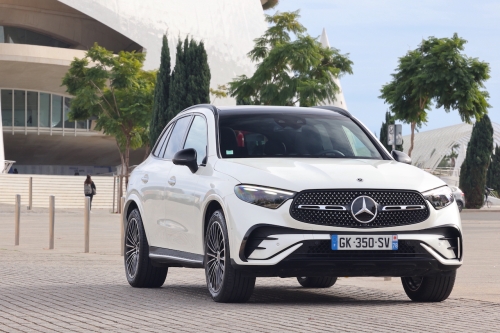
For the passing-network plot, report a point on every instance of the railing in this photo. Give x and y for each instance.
(7, 165)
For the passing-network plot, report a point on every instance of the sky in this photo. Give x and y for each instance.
(376, 33)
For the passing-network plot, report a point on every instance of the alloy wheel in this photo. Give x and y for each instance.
(215, 257)
(132, 247)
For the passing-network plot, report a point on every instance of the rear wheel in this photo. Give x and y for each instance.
(138, 267)
(225, 284)
(317, 281)
(429, 288)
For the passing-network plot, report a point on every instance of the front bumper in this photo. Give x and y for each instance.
(278, 251)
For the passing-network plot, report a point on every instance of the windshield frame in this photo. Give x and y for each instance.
(384, 155)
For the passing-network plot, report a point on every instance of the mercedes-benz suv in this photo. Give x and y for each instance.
(308, 193)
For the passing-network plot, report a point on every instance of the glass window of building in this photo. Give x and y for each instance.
(15, 35)
(67, 123)
(57, 111)
(32, 109)
(19, 108)
(45, 110)
(6, 102)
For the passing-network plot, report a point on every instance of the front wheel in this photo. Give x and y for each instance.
(429, 288)
(225, 284)
(317, 281)
(138, 267)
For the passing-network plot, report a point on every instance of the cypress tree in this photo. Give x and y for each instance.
(159, 117)
(475, 165)
(389, 120)
(190, 78)
(493, 178)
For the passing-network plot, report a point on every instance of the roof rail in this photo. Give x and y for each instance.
(211, 107)
(336, 109)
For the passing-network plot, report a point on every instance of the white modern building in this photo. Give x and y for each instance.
(431, 147)
(39, 39)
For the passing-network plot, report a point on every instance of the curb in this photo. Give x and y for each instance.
(480, 210)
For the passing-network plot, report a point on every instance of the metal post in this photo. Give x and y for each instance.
(119, 187)
(30, 194)
(87, 223)
(18, 217)
(114, 193)
(122, 233)
(52, 206)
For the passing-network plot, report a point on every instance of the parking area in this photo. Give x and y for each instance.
(65, 290)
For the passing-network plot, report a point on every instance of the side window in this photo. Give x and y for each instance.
(177, 137)
(197, 138)
(358, 147)
(162, 142)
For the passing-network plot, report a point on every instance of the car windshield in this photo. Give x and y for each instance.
(314, 134)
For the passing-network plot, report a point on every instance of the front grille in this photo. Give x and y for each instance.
(322, 249)
(344, 218)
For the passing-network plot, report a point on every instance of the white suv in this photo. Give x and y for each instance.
(246, 192)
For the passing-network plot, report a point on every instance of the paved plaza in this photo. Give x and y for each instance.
(66, 290)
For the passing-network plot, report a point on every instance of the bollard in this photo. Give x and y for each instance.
(52, 214)
(87, 223)
(122, 226)
(30, 194)
(18, 217)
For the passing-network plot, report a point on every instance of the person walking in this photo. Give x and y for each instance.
(89, 189)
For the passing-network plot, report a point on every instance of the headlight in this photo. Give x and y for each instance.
(262, 196)
(439, 197)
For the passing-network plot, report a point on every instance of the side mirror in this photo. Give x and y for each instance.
(187, 157)
(401, 157)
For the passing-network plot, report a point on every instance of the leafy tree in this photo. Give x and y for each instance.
(159, 118)
(220, 92)
(190, 78)
(493, 177)
(116, 90)
(290, 70)
(389, 120)
(477, 160)
(437, 72)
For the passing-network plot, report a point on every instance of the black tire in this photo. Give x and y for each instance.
(460, 206)
(139, 270)
(225, 284)
(317, 281)
(429, 288)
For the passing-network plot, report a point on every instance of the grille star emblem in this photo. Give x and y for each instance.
(364, 209)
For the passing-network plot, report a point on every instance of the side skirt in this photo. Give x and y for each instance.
(172, 258)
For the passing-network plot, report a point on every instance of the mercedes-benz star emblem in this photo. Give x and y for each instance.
(364, 209)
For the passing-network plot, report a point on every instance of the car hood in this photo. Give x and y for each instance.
(301, 174)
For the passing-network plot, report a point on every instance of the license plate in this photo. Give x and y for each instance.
(363, 242)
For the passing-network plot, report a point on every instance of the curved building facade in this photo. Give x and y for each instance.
(40, 38)
(450, 143)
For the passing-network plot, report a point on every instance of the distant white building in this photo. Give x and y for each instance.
(430, 147)
(339, 98)
(39, 39)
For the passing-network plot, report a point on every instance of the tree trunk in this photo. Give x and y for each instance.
(413, 124)
(120, 183)
(146, 154)
(127, 159)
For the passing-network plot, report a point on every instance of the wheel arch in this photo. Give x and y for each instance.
(213, 204)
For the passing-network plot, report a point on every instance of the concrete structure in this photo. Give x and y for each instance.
(432, 146)
(40, 38)
(339, 98)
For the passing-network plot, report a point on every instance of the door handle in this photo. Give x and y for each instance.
(145, 179)
(172, 181)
